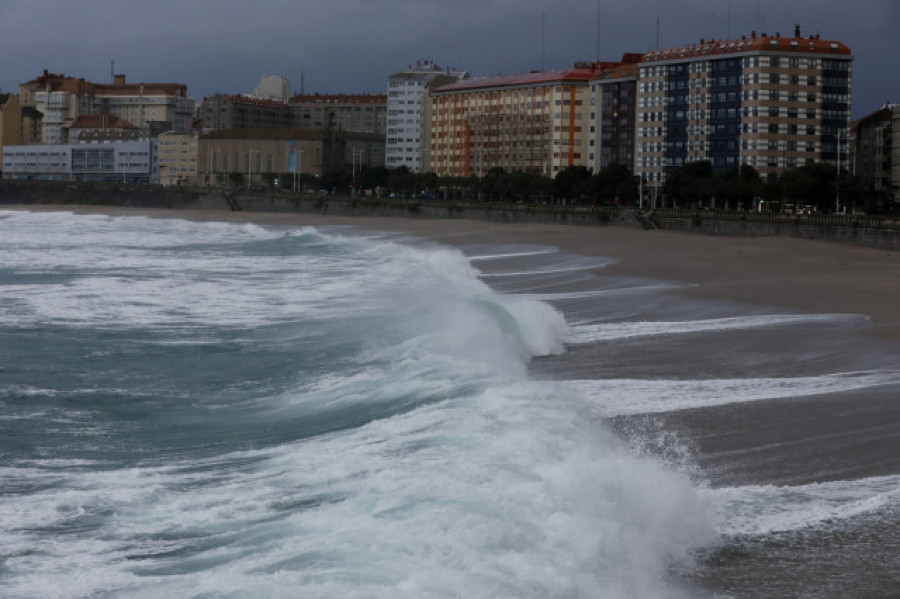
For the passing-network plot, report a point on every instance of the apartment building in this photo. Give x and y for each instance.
(405, 122)
(534, 122)
(613, 116)
(357, 113)
(177, 158)
(876, 155)
(770, 102)
(61, 99)
(244, 112)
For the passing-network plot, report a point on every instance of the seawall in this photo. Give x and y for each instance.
(878, 232)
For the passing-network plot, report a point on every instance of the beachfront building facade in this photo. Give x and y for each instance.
(61, 99)
(406, 122)
(770, 102)
(535, 122)
(613, 116)
(110, 162)
(257, 157)
(356, 113)
(177, 158)
(876, 156)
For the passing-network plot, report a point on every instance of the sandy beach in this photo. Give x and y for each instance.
(813, 276)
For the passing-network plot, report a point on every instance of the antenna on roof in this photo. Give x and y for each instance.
(657, 33)
(598, 29)
(543, 37)
(728, 22)
(112, 70)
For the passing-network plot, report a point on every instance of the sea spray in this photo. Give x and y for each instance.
(236, 410)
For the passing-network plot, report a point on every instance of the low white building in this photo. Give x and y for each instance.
(122, 161)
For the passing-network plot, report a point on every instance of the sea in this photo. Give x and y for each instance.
(219, 409)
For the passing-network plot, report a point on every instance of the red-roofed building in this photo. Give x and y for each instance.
(534, 122)
(101, 127)
(150, 106)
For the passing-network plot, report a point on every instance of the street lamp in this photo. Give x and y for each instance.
(250, 153)
(837, 179)
(356, 153)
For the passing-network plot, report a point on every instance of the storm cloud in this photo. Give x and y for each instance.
(352, 46)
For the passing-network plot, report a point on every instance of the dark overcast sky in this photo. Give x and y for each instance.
(351, 46)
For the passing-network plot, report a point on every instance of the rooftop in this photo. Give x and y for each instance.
(755, 43)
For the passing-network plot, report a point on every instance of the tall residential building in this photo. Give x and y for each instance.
(150, 106)
(405, 127)
(612, 123)
(876, 155)
(536, 122)
(357, 113)
(770, 102)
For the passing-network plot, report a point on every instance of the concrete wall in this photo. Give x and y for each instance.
(871, 232)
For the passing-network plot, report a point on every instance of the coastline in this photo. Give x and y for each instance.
(806, 275)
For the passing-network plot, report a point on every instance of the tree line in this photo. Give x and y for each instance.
(817, 187)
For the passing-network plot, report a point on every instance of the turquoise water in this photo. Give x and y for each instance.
(201, 409)
(227, 410)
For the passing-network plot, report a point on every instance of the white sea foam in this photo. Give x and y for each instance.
(620, 397)
(624, 330)
(430, 465)
(761, 510)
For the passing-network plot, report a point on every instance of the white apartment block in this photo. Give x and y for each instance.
(405, 108)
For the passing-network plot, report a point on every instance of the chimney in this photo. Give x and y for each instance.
(119, 79)
(797, 31)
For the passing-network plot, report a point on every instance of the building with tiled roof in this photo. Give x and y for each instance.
(534, 122)
(150, 106)
(101, 127)
(770, 102)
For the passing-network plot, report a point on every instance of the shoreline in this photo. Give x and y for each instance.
(806, 275)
